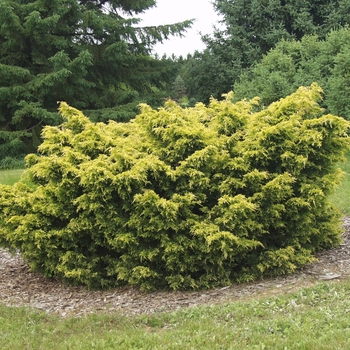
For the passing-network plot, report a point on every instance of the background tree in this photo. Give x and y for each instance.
(179, 88)
(252, 28)
(295, 63)
(205, 76)
(90, 53)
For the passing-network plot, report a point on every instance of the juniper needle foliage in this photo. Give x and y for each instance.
(180, 198)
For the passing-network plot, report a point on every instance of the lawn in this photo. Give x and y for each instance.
(341, 197)
(9, 177)
(312, 318)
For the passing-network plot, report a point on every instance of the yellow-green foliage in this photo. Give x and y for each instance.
(180, 198)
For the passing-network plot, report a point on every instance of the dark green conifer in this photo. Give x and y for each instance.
(251, 29)
(93, 54)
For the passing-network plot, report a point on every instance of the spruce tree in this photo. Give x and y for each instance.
(92, 54)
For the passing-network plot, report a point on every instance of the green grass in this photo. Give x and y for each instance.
(312, 318)
(9, 177)
(341, 197)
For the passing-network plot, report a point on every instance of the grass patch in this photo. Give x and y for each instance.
(11, 176)
(341, 197)
(312, 318)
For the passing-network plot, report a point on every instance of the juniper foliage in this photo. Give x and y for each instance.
(180, 198)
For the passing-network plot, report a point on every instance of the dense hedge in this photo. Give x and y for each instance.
(180, 198)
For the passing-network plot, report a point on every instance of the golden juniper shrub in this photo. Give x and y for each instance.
(180, 198)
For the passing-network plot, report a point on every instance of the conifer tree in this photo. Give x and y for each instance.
(92, 54)
(298, 63)
(179, 88)
(252, 28)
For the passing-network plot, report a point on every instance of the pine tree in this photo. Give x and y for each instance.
(90, 53)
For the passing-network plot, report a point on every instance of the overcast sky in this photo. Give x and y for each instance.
(172, 11)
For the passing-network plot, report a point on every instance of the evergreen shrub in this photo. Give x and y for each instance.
(12, 163)
(180, 198)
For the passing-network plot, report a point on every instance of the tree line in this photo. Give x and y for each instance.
(94, 55)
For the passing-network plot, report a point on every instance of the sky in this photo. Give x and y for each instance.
(172, 11)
